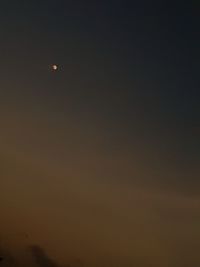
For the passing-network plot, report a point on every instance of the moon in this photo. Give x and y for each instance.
(54, 67)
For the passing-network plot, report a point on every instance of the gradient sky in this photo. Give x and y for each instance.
(99, 161)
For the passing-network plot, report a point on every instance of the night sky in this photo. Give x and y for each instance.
(100, 159)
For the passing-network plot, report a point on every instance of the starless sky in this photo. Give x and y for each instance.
(100, 159)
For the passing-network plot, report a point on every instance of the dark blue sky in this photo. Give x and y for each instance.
(119, 118)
